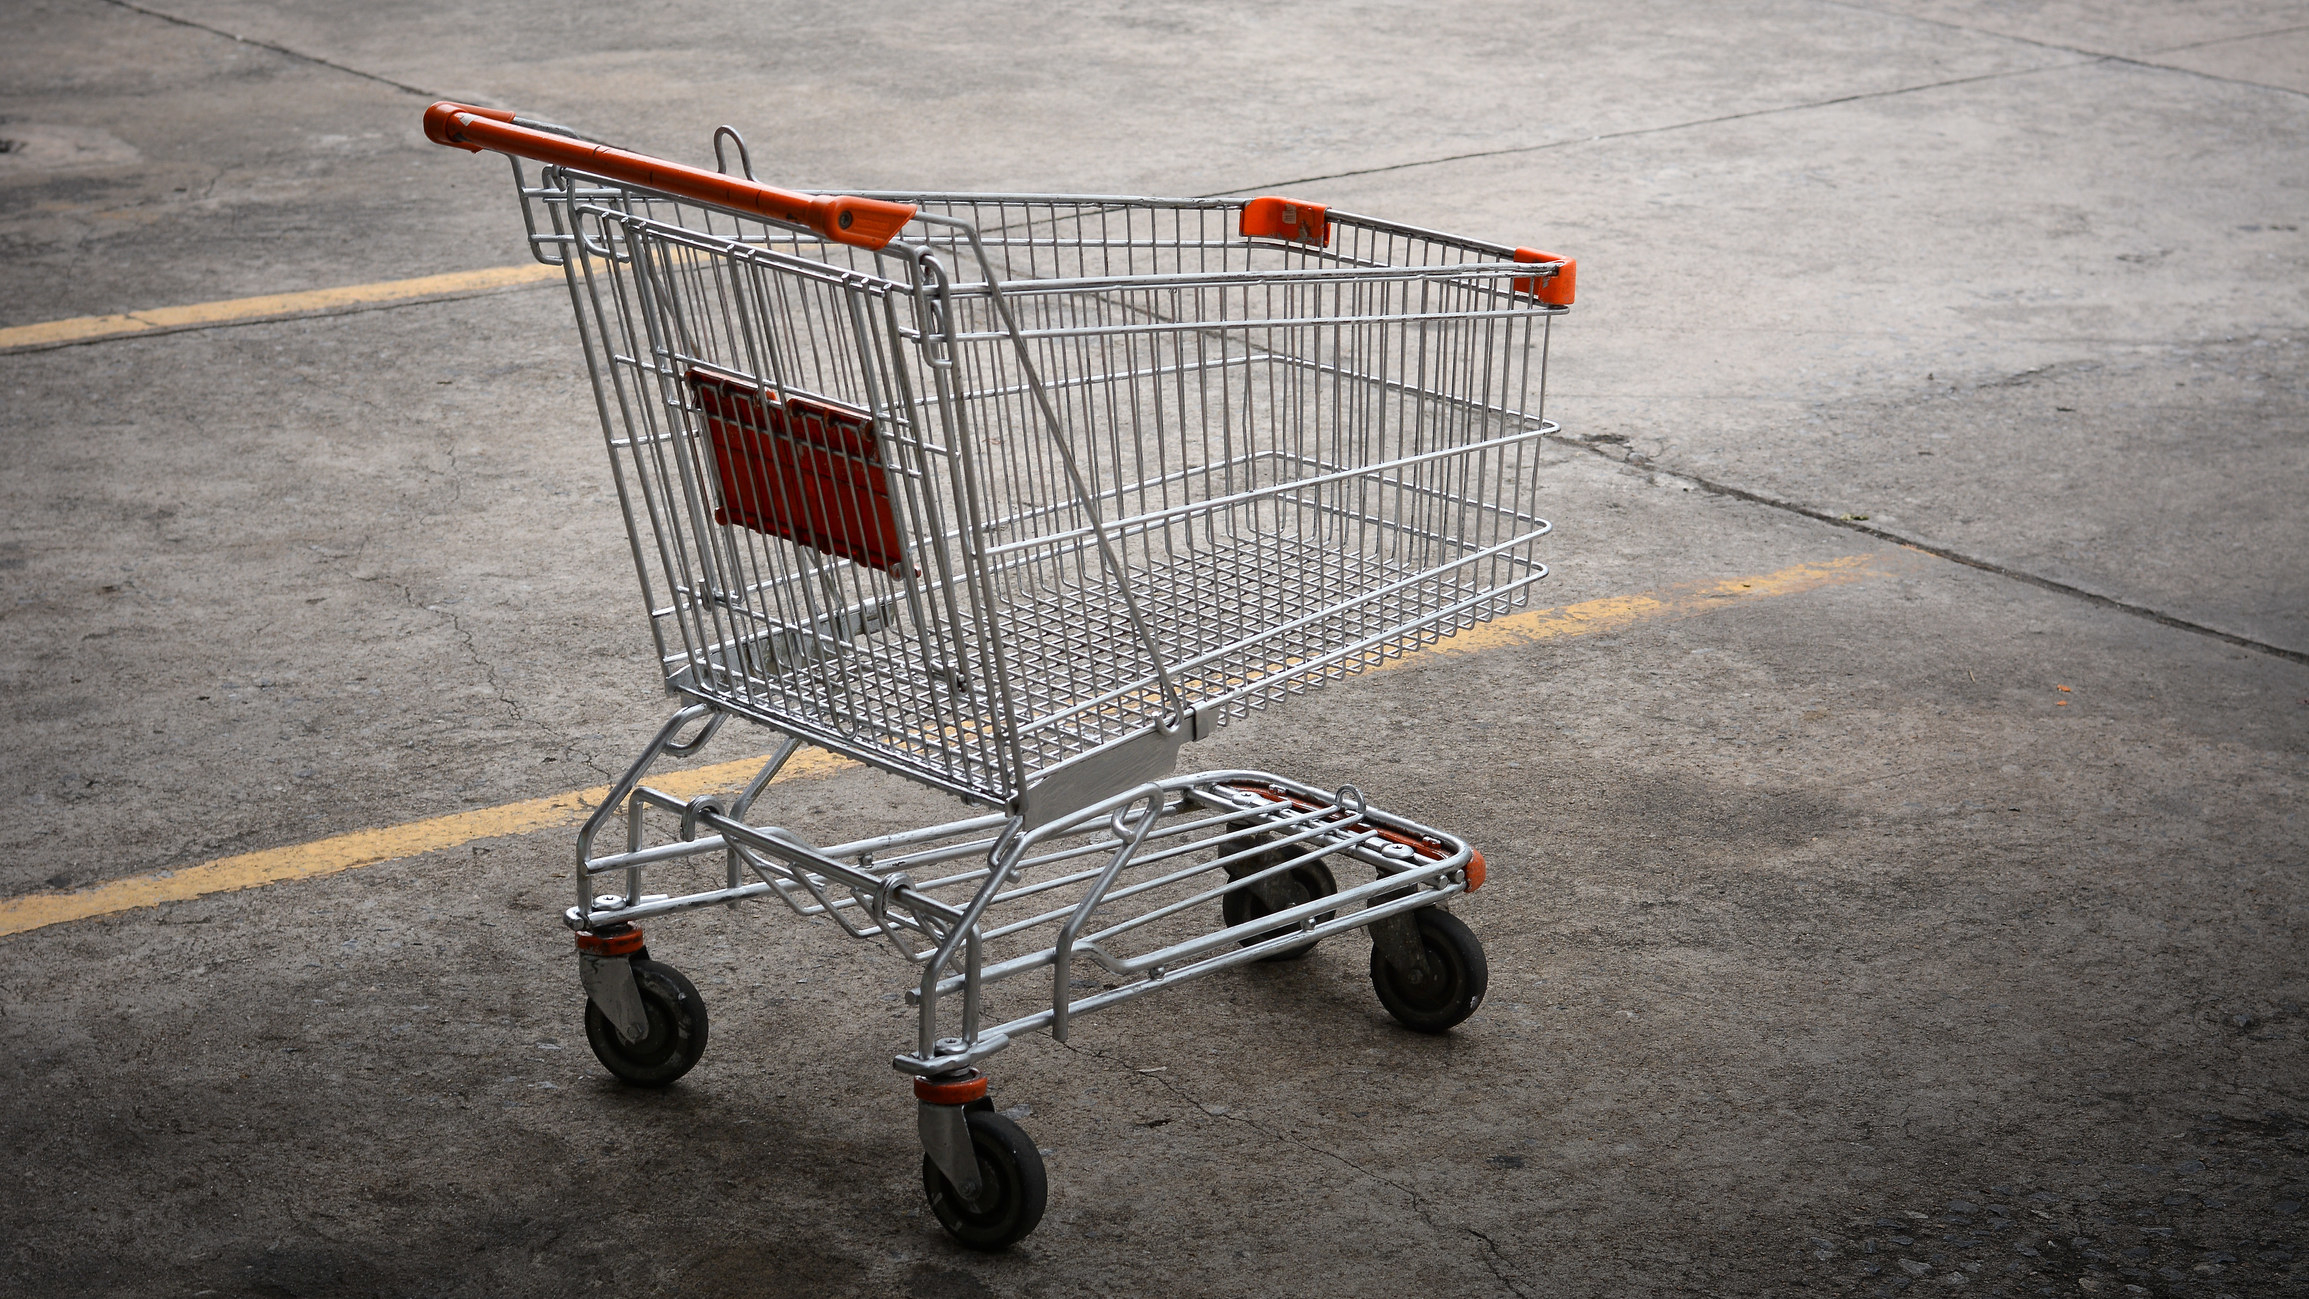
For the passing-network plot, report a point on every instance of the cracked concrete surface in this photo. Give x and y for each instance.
(1836, 948)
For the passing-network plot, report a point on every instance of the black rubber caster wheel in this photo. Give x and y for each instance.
(1300, 885)
(1448, 990)
(677, 1029)
(1012, 1190)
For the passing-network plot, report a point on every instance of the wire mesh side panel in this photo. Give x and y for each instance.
(1305, 476)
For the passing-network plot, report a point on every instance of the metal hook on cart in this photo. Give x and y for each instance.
(697, 810)
(745, 160)
(1123, 825)
(683, 748)
(878, 900)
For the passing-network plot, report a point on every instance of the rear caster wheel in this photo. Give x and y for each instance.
(1449, 986)
(677, 1029)
(1011, 1187)
(1295, 887)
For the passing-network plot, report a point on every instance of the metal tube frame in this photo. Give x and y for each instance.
(1164, 851)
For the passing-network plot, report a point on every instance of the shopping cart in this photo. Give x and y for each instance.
(1014, 496)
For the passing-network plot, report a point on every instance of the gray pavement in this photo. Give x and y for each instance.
(1828, 935)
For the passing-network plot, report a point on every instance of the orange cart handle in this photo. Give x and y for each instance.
(865, 222)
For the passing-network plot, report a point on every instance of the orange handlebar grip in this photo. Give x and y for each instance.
(1555, 291)
(863, 222)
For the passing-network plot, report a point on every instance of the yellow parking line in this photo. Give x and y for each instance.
(369, 847)
(81, 329)
(395, 843)
(1613, 612)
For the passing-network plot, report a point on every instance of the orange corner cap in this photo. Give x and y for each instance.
(866, 222)
(1475, 871)
(1556, 290)
(1283, 218)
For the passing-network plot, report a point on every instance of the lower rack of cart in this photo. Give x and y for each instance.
(1017, 929)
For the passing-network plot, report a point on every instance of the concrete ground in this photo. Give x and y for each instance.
(1936, 929)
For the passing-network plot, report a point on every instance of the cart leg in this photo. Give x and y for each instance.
(605, 967)
(945, 1129)
(981, 1172)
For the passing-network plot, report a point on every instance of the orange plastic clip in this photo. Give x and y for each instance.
(1556, 291)
(618, 944)
(1283, 218)
(958, 1091)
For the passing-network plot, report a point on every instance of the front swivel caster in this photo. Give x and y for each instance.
(980, 1171)
(645, 1022)
(1427, 967)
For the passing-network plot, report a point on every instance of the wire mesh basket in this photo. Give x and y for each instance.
(1048, 483)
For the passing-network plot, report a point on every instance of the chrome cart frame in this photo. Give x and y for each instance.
(1014, 496)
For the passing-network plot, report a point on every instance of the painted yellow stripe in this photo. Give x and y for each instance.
(395, 843)
(81, 329)
(1614, 612)
(369, 847)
